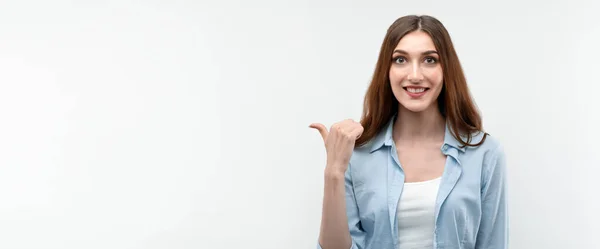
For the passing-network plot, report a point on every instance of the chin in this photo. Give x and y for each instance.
(415, 108)
(420, 106)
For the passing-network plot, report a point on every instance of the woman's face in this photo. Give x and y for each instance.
(416, 74)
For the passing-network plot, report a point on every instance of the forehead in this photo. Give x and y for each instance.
(417, 41)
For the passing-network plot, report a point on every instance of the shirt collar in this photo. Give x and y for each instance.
(384, 138)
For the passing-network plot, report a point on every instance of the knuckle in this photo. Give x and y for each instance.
(336, 129)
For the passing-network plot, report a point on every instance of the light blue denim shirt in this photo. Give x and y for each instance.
(471, 207)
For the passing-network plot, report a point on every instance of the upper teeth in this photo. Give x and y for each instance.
(416, 90)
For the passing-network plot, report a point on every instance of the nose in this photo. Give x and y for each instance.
(415, 75)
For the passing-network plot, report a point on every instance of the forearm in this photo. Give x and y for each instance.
(334, 232)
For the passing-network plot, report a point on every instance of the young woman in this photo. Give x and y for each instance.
(418, 171)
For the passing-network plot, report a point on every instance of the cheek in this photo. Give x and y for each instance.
(435, 76)
(396, 75)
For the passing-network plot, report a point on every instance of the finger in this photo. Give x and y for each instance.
(348, 122)
(321, 128)
(357, 132)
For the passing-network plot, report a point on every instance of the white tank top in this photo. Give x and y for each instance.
(416, 214)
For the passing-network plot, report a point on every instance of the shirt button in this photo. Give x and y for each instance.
(445, 147)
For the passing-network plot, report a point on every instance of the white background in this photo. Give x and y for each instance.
(184, 124)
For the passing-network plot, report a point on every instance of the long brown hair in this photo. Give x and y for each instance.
(455, 102)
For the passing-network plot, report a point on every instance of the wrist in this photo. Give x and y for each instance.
(334, 173)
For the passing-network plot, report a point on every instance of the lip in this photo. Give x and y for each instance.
(415, 95)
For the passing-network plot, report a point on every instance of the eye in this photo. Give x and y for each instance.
(430, 60)
(399, 59)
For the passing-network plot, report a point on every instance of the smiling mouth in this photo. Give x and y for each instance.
(416, 90)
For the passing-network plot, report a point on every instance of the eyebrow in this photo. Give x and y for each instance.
(424, 53)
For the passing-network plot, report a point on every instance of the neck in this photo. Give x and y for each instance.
(418, 127)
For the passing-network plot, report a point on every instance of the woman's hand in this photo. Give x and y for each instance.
(339, 143)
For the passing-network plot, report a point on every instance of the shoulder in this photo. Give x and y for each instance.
(490, 153)
(491, 143)
(367, 163)
(362, 155)
(492, 147)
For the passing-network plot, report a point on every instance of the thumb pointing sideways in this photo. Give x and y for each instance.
(321, 128)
